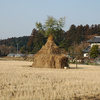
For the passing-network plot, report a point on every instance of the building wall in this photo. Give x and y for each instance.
(95, 44)
(86, 55)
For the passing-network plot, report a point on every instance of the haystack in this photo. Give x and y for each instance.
(50, 56)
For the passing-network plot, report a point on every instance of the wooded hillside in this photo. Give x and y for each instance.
(74, 37)
(21, 41)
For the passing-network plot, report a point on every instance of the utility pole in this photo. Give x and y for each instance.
(17, 47)
(76, 61)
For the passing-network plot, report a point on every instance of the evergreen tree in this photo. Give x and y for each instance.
(23, 50)
(71, 34)
(54, 27)
(35, 42)
(94, 51)
(79, 34)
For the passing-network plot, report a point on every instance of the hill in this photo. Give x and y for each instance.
(21, 41)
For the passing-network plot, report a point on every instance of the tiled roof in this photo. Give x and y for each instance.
(87, 49)
(96, 39)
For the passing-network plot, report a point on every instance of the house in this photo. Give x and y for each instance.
(11, 55)
(20, 55)
(94, 41)
(15, 55)
(86, 51)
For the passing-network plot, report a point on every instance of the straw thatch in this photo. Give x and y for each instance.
(50, 56)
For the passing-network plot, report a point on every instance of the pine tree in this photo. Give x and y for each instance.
(94, 51)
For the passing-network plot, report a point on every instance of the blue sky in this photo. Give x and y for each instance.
(18, 17)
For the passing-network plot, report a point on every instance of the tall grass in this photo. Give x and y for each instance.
(18, 81)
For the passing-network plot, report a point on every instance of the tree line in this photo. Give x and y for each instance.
(73, 40)
(10, 45)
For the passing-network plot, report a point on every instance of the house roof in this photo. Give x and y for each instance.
(19, 55)
(87, 49)
(15, 55)
(11, 54)
(96, 39)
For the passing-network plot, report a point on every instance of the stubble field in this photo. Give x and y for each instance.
(19, 81)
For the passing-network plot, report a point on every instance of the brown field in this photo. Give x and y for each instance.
(19, 81)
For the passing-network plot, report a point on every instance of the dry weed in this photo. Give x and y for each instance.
(28, 83)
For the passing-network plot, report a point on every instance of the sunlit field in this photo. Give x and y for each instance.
(19, 81)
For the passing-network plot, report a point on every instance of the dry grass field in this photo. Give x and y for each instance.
(19, 81)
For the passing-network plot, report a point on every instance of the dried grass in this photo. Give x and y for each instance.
(27, 83)
(50, 56)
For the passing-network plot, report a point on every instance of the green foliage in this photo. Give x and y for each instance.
(54, 27)
(51, 22)
(21, 41)
(64, 44)
(75, 36)
(94, 51)
(71, 34)
(51, 26)
(36, 41)
(23, 50)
